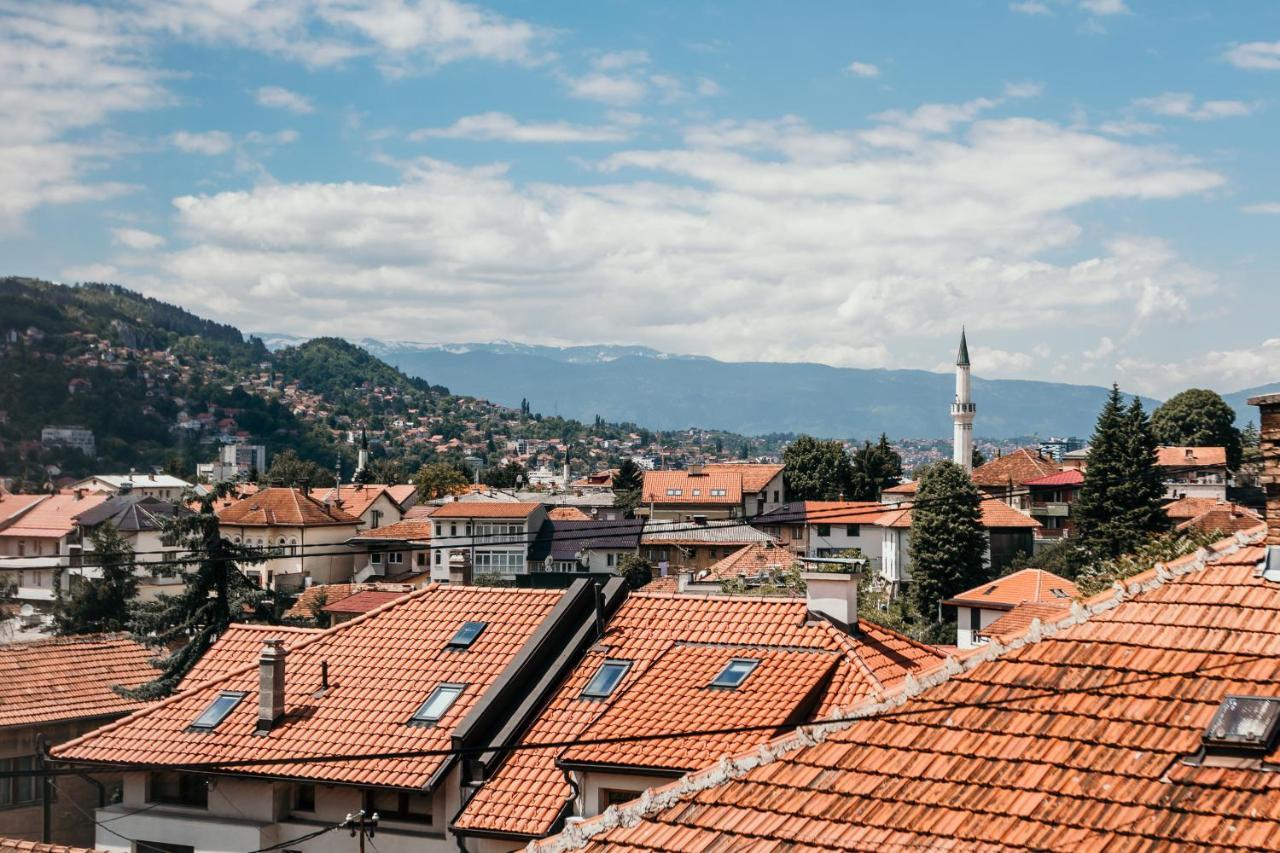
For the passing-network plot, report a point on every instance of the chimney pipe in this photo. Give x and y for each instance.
(833, 596)
(1269, 446)
(270, 684)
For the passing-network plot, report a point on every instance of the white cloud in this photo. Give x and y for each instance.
(280, 98)
(209, 143)
(1105, 7)
(1184, 105)
(1030, 7)
(1255, 55)
(937, 118)
(622, 90)
(1224, 369)
(91, 272)
(863, 69)
(136, 238)
(1025, 89)
(506, 128)
(1267, 207)
(1129, 127)
(623, 78)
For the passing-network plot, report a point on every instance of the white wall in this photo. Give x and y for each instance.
(967, 638)
(324, 559)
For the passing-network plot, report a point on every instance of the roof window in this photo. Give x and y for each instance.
(1244, 725)
(467, 634)
(734, 673)
(438, 703)
(217, 711)
(674, 493)
(606, 679)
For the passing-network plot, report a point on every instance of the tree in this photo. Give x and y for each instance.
(635, 570)
(388, 472)
(1198, 417)
(1250, 456)
(216, 592)
(1119, 502)
(96, 605)
(977, 460)
(286, 468)
(628, 487)
(948, 542)
(875, 468)
(439, 479)
(505, 476)
(817, 470)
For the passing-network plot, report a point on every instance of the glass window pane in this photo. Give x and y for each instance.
(217, 711)
(606, 678)
(467, 634)
(735, 672)
(438, 703)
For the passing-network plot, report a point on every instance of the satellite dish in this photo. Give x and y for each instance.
(26, 611)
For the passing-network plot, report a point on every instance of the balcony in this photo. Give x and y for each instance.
(1054, 509)
(1051, 533)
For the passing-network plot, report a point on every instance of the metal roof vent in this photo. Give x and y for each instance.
(1243, 726)
(1269, 567)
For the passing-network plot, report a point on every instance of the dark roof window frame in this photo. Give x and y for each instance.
(217, 711)
(734, 673)
(434, 708)
(604, 682)
(466, 635)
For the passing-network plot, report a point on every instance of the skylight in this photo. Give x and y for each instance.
(437, 704)
(1247, 723)
(734, 673)
(217, 711)
(467, 634)
(606, 679)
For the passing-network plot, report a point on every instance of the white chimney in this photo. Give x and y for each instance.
(270, 684)
(833, 596)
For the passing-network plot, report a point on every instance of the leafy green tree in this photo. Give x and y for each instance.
(1161, 548)
(948, 542)
(635, 570)
(506, 476)
(817, 470)
(977, 460)
(1198, 417)
(286, 468)
(439, 479)
(875, 467)
(96, 605)
(388, 472)
(1119, 502)
(216, 592)
(628, 487)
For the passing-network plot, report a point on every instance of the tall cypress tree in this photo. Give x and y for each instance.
(948, 542)
(1146, 513)
(875, 468)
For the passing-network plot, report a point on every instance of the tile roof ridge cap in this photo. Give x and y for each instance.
(104, 636)
(850, 650)
(898, 635)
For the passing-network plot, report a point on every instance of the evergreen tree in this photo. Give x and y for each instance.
(1198, 417)
(977, 460)
(948, 542)
(95, 605)
(1146, 513)
(628, 487)
(288, 470)
(875, 467)
(635, 570)
(216, 592)
(817, 470)
(506, 476)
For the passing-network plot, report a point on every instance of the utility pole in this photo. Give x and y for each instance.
(365, 826)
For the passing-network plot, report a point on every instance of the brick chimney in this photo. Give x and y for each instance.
(1269, 428)
(270, 684)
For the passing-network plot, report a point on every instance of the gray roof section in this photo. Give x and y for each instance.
(720, 532)
(562, 540)
(131, 513)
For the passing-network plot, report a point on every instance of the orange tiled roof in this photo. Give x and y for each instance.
(1082, 737)
(354, 498)
(1017, 467)
(364, 601)
(1184, 508)
(1183, 457)
(1007, 592)
(751, 561)
(567, 513)
(1015, 622)
(1223, 518)
(382, 666)
(995, 514)
(281, 507)
(409, 530)
(17, 845)
(238, 645)
(485, 509)
(529, 791)
(402, 492)
(70, 678)
(332, 592)
(12, 505)
(755, 475)
(53, 517)
(658, 483)
(902, 489)
(825, 512)
(419, 511)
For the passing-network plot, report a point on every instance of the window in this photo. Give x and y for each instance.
(615, 797)
(217, 711)
(500, 562)
(304, 798)
(439, 528)
(609, 560)
(853, 530)
(162, 847)
(182, 789)
(437, 704)
(824, 529)
(376, 558)
(975, 619)
(16, 791)
(466, 635)
(606, 679)
(453, 529)
(422, 558)
(437, 556)
(697, 493)
(718, 493)
(1244, 724)
(674, 493)
(399, 805)
(375, 519)
(797, 532)
(396, 557)
(775, 496)
(734, 673)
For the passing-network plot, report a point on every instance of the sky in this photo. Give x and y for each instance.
(1090, 187)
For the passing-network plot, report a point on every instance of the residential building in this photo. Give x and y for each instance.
(444, 667)
(1194, 472)
(1005, 477)
(1076, 459)
(396, 553)
(374, 504)
(764, 488)
(584, 546)
(978, 608)
(165, 487)
(236, 461)
(1016, 746)
(827, 528)
(676, 664)
(1009, 533)
(362, 602)
(1211, 516)
(58, 690)
(41, 540)
(690, 496)
(304, 538)
(484, 538)
(1057, 448)
(963, 410)
(70, 436)
(675, 546)
(751, 566)
(1049, 501)
(140, 520)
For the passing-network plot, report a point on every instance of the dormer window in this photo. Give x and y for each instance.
(466, 635)
(1243, 725)
(606, 679)
(437, 705)
(217, 711)
(734, 673)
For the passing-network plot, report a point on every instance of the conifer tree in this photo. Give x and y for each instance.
(93, 605)
(628, 486)
(948, 542)
(876, 467)
(1146, 513)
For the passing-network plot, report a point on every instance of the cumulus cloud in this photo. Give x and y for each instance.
(1255, 55)
(863, 69)
(506, 128)
(209, 143)
(280, 98)
(623, 78)
(1228, 369)
(136, 238)
(1184, 105)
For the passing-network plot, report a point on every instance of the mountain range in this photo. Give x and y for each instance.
(670, 391)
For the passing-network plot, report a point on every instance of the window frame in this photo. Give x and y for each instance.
(457, 688)
(461, 645)
(197, 726)
(720, 682)
(607, 663)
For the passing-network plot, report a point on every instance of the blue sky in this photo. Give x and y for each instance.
(1090, 186)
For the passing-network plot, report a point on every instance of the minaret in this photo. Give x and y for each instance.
(962, 410)
(363, 459)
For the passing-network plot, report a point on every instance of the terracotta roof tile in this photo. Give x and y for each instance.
(53, 517)
(1016, 622)
(751, 561)
(239, 645)
(381, 665)
(712, 533)
(1005, 593)
(1223, 518)
(402, 493)
(1017, 468)
(70, 678)
(567, 513)
(1083, 736)
(280, 507)
(995, 514)
(755, 475)
(1188, 507)
(353, 499)
(1184, 457)
(485, 509)
(364, 601)
(693, 489)
(1072, 477)
(408, 530)
(17, 845)
(11, 505)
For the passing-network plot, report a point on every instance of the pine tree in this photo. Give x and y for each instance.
(628, 487)
(1146, 513)
(216, 593)
(875, 467)
(95, 605)
(948, 541)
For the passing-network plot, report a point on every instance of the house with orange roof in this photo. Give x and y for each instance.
(1005, 477)
(763, 486)
(446, 667)
(978, 608)
(39, 539)
(305, 537)
(483, 538)
(826, 528)
(57, 690)
(692, 495)
(396, 553)
(1049, 501)
(1196, 472)
(1222, 517)
(751, 565)
(374, 504)
(676, 546)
